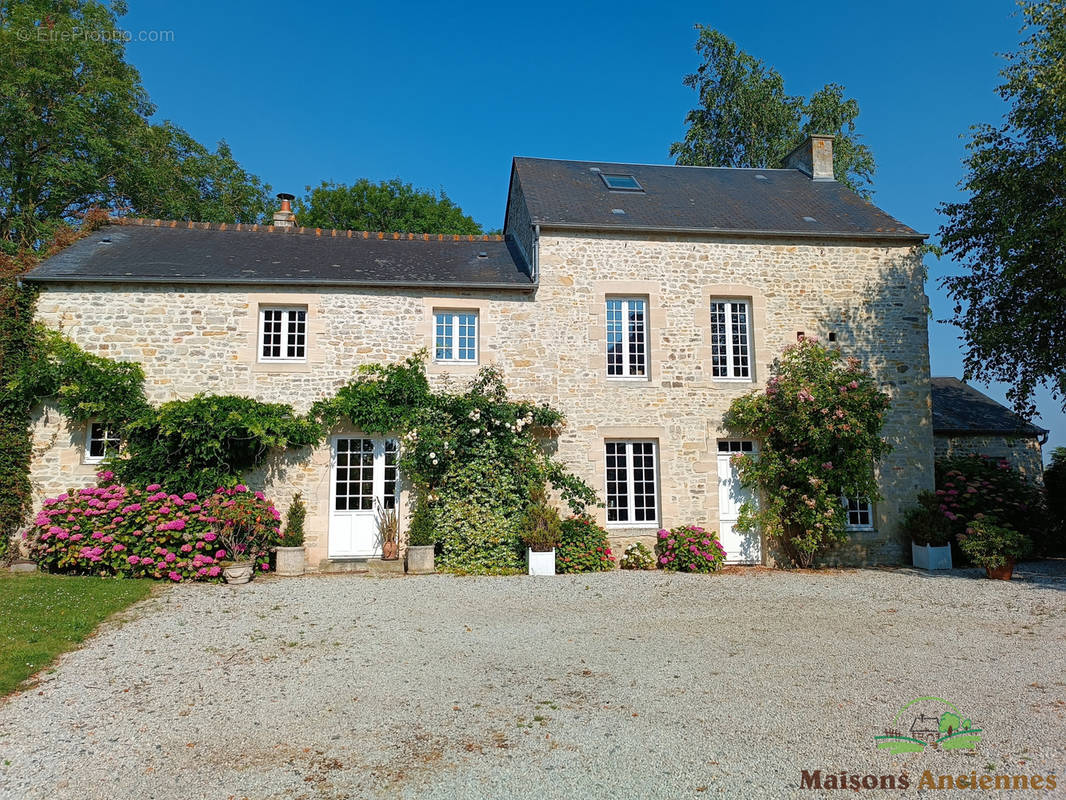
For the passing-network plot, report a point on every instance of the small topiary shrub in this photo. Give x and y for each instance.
(540, 528)
(689, 548)
(583, 547)
(637, 556)
(991, 544)
(925, 523)
(119, 530)
(421, 531)
(293, 536)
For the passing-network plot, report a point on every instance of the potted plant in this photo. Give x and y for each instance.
(541, 530)
(930, 533)
(244, 532)
(421, 536)
(388, 531)
(994, 546)
(290, 551)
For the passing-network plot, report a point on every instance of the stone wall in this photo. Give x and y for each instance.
(1024, 453)
(550, 347)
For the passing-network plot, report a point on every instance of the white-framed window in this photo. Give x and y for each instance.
(455, 336)
(735, 446)
(282, 334)
(731, 340)
(860, 513)
(100, 442)
(632, 483)
(627, 337)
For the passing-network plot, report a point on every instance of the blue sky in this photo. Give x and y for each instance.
(443, 95)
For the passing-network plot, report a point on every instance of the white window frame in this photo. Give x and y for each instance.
(627, 367)
(106, 437)
(630, 484)
(455, 315)
(730, 343)
(863, 506)
(287, 338)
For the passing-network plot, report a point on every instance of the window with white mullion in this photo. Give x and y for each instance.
(455, 336)
(627, 338)
(730, 340)
(632, 483)
(859, 512)
(100, 442)
(282, 334)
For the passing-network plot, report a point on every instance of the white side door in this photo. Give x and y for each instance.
(740, 547)
(363, 474)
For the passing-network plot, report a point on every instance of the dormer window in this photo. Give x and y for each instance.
(621, 183)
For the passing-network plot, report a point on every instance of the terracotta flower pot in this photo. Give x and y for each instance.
(1001, 573)
(388, 551)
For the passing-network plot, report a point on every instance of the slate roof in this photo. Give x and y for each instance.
(151, 251)
(959, 408)
(769, 202)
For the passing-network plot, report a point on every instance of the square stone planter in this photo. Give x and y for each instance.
(290, 561)
(420, 560)
(925, 556)
(541, 563)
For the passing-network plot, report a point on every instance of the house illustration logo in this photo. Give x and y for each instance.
(928, 722)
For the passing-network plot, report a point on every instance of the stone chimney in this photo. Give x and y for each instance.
(285, 218)
(813, 157)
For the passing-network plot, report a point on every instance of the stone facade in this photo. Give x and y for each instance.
(1023, 453)
(551, 347)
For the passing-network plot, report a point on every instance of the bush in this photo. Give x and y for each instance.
(583, 547)
(540, 528)
(925, 523)
(637, 556)
(421, 531)
(819, 424)
(476, 538)
(293, 535)
(970, 487)
(1055, 484)
(988, 543)
(689, 548)
(113, 529)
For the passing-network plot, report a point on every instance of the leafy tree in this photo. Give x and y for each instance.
(173, 176)
(1055, 482)
(74, 132)
(1010, 235)
(385, 206)
(746, 119)
(71, 110)
(818, 424)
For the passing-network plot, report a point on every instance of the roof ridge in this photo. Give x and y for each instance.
(147, 222)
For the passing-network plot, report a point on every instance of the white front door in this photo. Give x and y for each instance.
(740, 547)
(363, 477)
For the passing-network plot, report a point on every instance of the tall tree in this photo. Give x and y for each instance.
(746, 119)
(173, 176)
(1010, 234)
(70, 110)
(75, 131)
(385, 206)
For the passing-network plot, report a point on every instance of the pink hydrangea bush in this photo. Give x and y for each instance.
(111, 529)
(689, 548)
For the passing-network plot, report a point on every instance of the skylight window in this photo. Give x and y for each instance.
(622, 183)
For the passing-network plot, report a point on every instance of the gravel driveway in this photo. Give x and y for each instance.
(615, 685)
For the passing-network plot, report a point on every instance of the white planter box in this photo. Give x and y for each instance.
(929, 557)
(541, 563)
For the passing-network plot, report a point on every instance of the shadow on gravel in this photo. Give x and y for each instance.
(1049, 573)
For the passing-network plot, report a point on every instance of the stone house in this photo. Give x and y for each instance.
(968, 422)
(637, 299)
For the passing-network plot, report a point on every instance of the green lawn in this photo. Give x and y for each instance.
(42, 616)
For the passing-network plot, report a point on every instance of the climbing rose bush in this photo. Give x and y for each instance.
(584, 547)
(689, 548)
(112, 529)
(818, 423)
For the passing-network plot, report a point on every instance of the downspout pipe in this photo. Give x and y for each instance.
(536, 253)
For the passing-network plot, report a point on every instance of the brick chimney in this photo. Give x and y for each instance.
(813, 157)
(285, 218)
